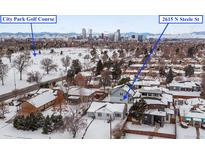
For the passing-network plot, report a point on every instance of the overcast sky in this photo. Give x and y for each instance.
(104, 24)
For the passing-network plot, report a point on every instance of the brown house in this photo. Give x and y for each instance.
(40, 101)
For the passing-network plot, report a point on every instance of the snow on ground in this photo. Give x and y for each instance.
(100, 129)
(74, 53)
(135, 136)
(167, 129)
(142, 127)
(13, 74)
(189, 133)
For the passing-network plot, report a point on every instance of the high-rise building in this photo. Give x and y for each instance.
(117, 35)
(84, 33)
(140, 38)
(90, 33)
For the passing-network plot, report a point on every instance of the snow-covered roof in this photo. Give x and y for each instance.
(151, 90)
(185, 84)
(87, 73)
(125, 88)
(78, 91)
(186, 111)
(195, 101)
(169, 111)
(147, 83)
(42, 97)
(105, 107)
(155, 112)
(186, 93)
(152, 101)
(73, 97)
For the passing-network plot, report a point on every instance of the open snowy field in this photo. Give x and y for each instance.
(73, 53)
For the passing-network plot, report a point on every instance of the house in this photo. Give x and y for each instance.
(39, 101)
(145, 83)
(76, 94)
(184, 90)
(159, 109)
(116, 95)
(106, 111)
(82, 78)
(193, 111)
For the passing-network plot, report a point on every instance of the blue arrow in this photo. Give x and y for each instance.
(33, 41)
(125, 96)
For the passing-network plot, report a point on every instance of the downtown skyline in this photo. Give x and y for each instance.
(104, 24)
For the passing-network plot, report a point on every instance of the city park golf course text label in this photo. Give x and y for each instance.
(28, 19)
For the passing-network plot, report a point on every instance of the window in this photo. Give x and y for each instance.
(118, 115)
(99, 114)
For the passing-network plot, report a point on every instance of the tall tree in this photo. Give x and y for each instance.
(48, 65)
(137, 110)
(190, 52)
(73, 123)
(105, 78)
(99, 67)
(21, 62)
(170, 76)
(3, 71)
(116, 72)
(189, 70)
(3, 109)
(34, 77)
(66, 62)
(76, 66)
(203, 86)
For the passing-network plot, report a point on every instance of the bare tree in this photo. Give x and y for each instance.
(66, 62)
(74, 123)
(48, 65)
(3, 109)
(21, 62)
(3, 71)
(105, 78)
(34, 77)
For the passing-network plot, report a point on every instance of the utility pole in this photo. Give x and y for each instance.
(110, 122)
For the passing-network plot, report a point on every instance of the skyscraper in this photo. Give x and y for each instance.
(90, 33)
(84, 33)
(117, 35)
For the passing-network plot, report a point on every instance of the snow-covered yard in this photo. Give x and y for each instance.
(141, 127)
(99, 129)
(189, 133)
(73, 53)
(13, 74)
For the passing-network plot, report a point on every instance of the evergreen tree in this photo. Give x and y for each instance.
(162, 72)
(116, 72)
(189, 70)
(124, 81)
(138, 109)
(99, 67)
(47, 128)
(57, 121)
(76, 66)
(108, 63)
(190, 52)
(170, 76)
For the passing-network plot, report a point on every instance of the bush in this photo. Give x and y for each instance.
(31, 122)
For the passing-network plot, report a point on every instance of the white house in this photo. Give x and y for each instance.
(116, 95)
(106, 111)
(182, 91)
